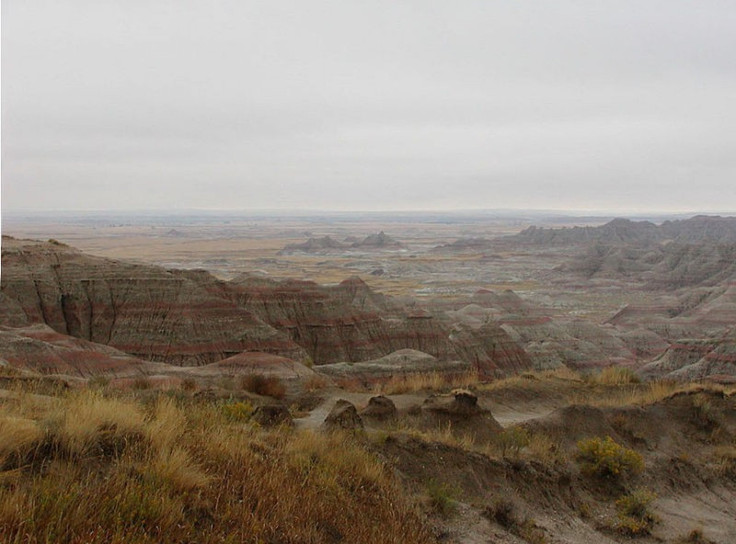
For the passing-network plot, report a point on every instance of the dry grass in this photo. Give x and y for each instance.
(175, 467)
(167, 424)
(426, 381)
(616, 375)
(92, 422)
(634, 394)
(100, 469)
(563, 373)
(316, 383)
(19, 437)
(268, 386)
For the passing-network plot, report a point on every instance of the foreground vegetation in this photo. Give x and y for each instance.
(89, 468)
(142, 465)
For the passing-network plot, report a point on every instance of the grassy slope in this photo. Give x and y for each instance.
(94, 469)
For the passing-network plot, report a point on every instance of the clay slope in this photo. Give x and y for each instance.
(346, 322)
(690, 360)
(41, 350)
(190, 318)
(670, 266)
(533, 339)
(146, 311)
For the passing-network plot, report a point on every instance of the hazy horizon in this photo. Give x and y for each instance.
(618, 108)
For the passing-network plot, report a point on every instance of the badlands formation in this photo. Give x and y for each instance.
(558, 384)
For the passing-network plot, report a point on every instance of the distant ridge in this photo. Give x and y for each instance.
(625, 231)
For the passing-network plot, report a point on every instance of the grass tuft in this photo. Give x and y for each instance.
(616, 375)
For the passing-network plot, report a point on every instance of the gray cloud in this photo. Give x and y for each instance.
(360, 105)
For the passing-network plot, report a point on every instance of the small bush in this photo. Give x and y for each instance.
(188, 384)
(512, 440)
(605, 458)
(442, 498)
(269, 386)
(705, 414)
(725, 457)
(695, 536)
(634, 516)
(543, 448)
(238, 411)
(503, 512)
(141, 383)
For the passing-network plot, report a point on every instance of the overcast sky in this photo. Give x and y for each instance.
(135, 104)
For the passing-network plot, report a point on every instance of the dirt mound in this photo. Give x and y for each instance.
(256, 363)
(343, 416)
(460, 412)
(380, 408)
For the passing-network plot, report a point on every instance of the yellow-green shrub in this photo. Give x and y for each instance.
(634, 516)
(606, 458)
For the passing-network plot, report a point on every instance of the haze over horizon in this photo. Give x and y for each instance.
(618, 107)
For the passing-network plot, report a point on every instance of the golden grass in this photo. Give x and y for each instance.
(92, 421)
(526, 378)
(616, 375)
(116, 470)
(442, 435)
(635, 394)
(426, 381)
(175, 467)
(167, 424)
(18, 436)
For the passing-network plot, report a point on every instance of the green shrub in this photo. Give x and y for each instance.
(605, 458)
(442, 498)
(634, 516)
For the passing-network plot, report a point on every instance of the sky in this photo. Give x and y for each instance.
(379, 105)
